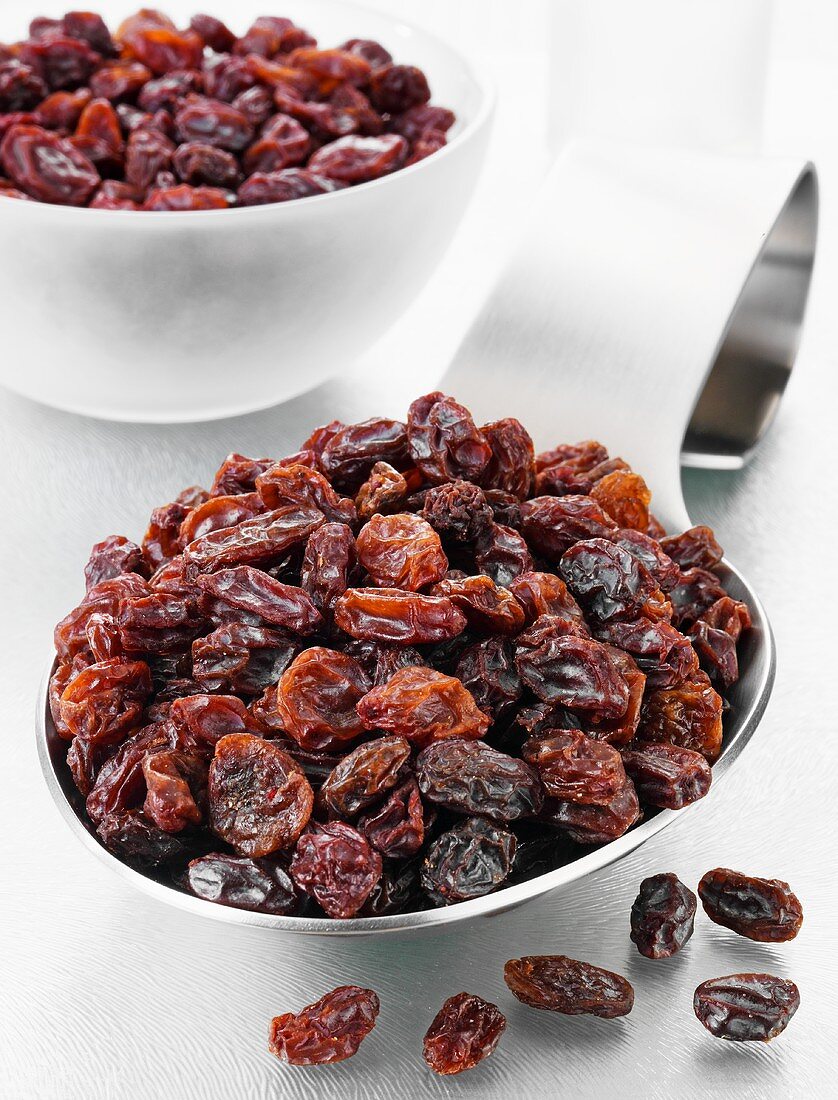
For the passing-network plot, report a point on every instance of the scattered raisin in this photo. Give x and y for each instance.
(662, 916)
(763, 909)
(330, 1030)
(560, 984)
(746, 1007)
(464, 1032)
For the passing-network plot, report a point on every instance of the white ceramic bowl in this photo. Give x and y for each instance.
(191, 316)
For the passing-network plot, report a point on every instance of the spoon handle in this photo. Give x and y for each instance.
(655, 302)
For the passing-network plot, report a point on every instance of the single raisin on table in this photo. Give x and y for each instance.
(763, 909)
(330, 1030)
(746, 1007)
(464, 1032)
(560, 984)
(407, 664)
(662, 916)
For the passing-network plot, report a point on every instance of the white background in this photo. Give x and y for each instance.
(104, 994)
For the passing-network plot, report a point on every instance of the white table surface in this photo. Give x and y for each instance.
(107, 994)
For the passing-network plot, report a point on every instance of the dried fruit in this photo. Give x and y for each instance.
(662, 916)
(317, 697)
(261, 885)
(560, 984)
(364, 775)
(471, 777)
(464, 1032)
(401, 551)
(259, 798)
(378, 656)
(424, 706)
(470, 860)
(335, 864)
(746, 1007)
(763, 909)
(667, 776)
(265, 117)
(330, 1030)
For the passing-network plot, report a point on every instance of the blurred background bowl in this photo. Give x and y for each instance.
(172, 317)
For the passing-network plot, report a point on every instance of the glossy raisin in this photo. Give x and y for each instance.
(393, 615)
(576, 768)
(365, 775)
(560, 984)
(595, 824)
(260, 885)
(424, 706)
(336, 865)
(746, 1007)
(470, 777)
(317, 698)
(763, 909)
(396, 828)
(470, 860)
(330, 1030)
(662, 916)
(464, 1032)
(401, 551)
(259, 798)
(666, 776)
(444, 441)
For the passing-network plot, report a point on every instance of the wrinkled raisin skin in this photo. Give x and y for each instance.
(559, 984)
(464, 1032)
(330, 1030)
(662, 916)
(746, 1007)
(762, 909)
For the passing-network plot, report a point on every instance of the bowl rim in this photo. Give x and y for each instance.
(475, 72)
(491, 904)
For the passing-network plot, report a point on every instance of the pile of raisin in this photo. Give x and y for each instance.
(406, 666)
(153, 117)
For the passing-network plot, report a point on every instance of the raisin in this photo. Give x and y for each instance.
(570, 669)
(470, 860)
(299, 485)
(218, 512)
(667, 776)
(696, 548)
(47, 167)
(487, 669)
(424, 706)
(372, 52)
(331, 65)
(512, 465)
(120, 784)
(695, 593)
(176, 783)
(260, 885)
(595, 824)
(364, 775)
(383, 491)
(351, 451)
(650, 555)
(330, 1030)
(689, 715)
(488, 608)
(502, 554)
(545, 594)
(283, 186)
(662, 916)
(551, 525)
(661, 652)
(470, 777)
(259, 798)
(458, 510)
(317, 697)
(162, 49)
(242, 658)
(204, 719)
(238, 474)
(560, 984)
(104, 701)
(444, 441)
(183, 197)
(607, 580)
(251, 590)
(284, 144)
(392, 615)
(135, 840)
(562, 481)
(396, 88)
(21, 88)
(119, 80)
(396, 828)
(576, 768)
(335, 865)
(111, 558)
(62, 110)
(464, 1032)
(396, 891)
(624, 496)
(329, 557)
(401, 551)
(763, 909)
(214, 33)
(198, 164)
(416, 122)
(746, 1007)
(253, 541)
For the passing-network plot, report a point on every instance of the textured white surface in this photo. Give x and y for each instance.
(105, 995)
